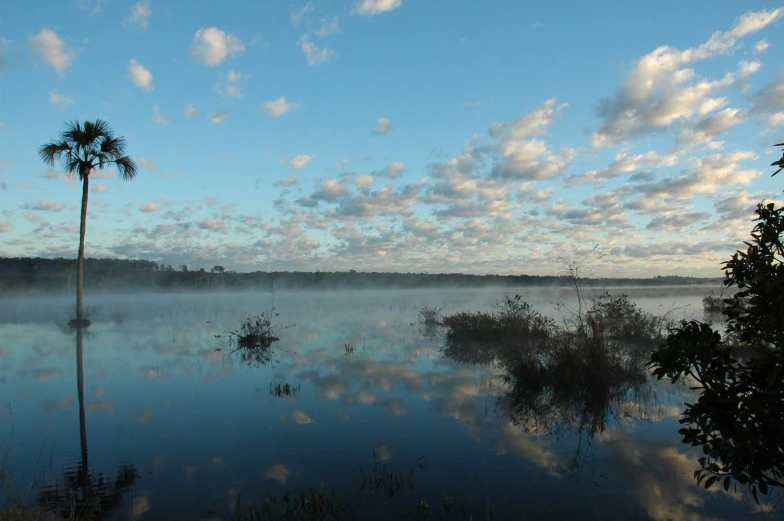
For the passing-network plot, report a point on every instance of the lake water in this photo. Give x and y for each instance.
(175, 426)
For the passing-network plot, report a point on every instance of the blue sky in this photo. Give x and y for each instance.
(396, 135)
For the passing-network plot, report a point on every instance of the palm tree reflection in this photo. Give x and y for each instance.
(78, 492)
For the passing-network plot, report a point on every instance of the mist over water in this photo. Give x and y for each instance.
(164, 395)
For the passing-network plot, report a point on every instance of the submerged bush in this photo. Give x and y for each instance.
(255, 331)
(513, 319)
(569, 376)
(430, 316)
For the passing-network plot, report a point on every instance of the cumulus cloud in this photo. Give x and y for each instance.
(61, 101)
(6, 227)
(217, 117)
(150, 207)
(374, 7)
(157, 117)
(191, 111)
(289, 181)
(140, 15)
(212, 46)
(300, 161)
(298, 15)
(146, 163)
(231, 84)
(392, 171)
(98, 188)
(624, 164)
(50, 49)
(280, 106)
(316, 55)
(663, 89)
(761, 46)
(140, 75)
(770, 98)
(677, 222)
(45, 205)
(328, 26)
(383, 125)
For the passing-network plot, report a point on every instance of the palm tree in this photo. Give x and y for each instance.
(80, 149)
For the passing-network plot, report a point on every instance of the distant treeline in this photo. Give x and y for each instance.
(30, 275)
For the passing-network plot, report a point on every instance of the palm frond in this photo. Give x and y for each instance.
(113, 147)
(73, 165)
(779, 145)
(52, 152)
(126, 167)
(777, 171)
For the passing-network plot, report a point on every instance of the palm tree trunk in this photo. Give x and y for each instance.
(80, 258)
(83, 468)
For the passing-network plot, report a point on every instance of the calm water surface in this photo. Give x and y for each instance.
(177, 427)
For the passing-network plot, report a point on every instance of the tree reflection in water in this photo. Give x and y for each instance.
(78, 493)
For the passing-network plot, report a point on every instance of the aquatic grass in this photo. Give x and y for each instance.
(430, 316)
(255, 331)
(312, 505)
(286, 389)
(378, 476)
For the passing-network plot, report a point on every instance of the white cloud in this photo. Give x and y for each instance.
(191, 111)
(146, 163)
(45, 205)
(99, 188)
(140, 75)
(61, 101)
(775, 120)
(392, 171)
(374, 7)
(231, 85)
(316, 55)
(94, 6)
(622, 165)
(662, 88)
(157, 117)
(212, 46)
(280, 106)
(297, 16)
(217, 117)
(761, 46)
(140, 14)
(300, 161)
(6, 227)
(289, 181)
(150, 207)
(328, 26)
(383, 125)
(51, 49)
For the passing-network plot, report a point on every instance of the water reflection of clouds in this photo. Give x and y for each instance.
(170, 358)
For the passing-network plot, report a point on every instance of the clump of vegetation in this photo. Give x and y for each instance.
(738, 419)
(430, 316)
(571, 376)
(513, 319)
(712, 303)
(294, 506)
(378, 477)
(255, 332)
(277, 389)
(349, 349)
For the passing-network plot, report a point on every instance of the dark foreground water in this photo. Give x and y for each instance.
(174, 426)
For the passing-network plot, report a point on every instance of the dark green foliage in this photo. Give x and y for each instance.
(738, 419)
